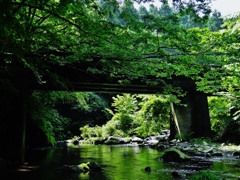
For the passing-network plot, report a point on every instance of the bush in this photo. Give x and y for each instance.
(110, 128)
(154, 115)
(124, 121)
(219, 114)
(98, 131)
(87, 132)
(142, 115)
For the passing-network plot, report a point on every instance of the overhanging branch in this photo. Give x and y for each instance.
(50, 12)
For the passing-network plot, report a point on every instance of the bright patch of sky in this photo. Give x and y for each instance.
(226, 7)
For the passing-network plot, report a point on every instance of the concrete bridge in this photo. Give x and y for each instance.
(79, 79)
(193, 118)
(189, 120)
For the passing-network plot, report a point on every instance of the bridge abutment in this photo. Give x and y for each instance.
(13, 125)
(191, 118)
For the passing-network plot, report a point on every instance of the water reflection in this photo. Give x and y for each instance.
(117, 162)
(122, 162)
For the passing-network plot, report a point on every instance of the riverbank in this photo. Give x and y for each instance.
(198, 146)
(203, 153)
(132, 160)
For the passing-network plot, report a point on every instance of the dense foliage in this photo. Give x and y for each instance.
(146, 115)
(121, 43)
(55, 116)
(141, 115)
(224, 119)
(126, 43)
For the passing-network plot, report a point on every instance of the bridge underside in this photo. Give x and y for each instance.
(110, 87)
(79, 79)
(195, 114)
(191, 119)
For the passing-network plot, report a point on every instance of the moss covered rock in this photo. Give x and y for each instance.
(86, 167)
(174, 155)
(112, 140)
(93, 166)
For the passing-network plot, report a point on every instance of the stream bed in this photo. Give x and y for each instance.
(118, 162)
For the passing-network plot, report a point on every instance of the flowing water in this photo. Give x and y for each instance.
(117, 162)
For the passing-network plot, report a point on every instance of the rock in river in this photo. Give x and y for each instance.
(174, 155)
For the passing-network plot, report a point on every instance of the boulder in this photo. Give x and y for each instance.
(151, 140)
(218, 154)
(93, 167)
(147, 169)
(137, 140)
(99, 141)
(113, 140)
(85, 167)
(75, 142)
(174, 155)
(177, 175)
(236, 153)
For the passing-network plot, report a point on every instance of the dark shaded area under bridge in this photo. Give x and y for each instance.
(79, 79)
(192, 119)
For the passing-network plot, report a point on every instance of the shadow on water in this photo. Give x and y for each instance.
(117, 162)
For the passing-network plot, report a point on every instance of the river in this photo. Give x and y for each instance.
(117, 162)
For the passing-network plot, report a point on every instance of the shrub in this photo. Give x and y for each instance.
(219, 114)
(110, 128)
(87, 132)
(98, 131)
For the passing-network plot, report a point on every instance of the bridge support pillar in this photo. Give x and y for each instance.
(191, 119)
(22, 129)
(13, 127)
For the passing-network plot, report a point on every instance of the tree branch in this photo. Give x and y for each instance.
(50, 12)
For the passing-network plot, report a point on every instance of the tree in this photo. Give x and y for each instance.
(154, 115)
(125, 108)
(165, 10)
(215, 21)
(85, 109)
(40, 36)
(62, 33)
(142, 11)
(153, 10)
(129, 15)
(45, 123)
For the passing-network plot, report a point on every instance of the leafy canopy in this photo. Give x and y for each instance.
(118, 41)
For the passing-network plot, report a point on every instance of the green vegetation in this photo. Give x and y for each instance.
(120, 43)
(206, 175)
(220, 114)
(224, 118)
(46, 115)
(141, 115)
(146, 115)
